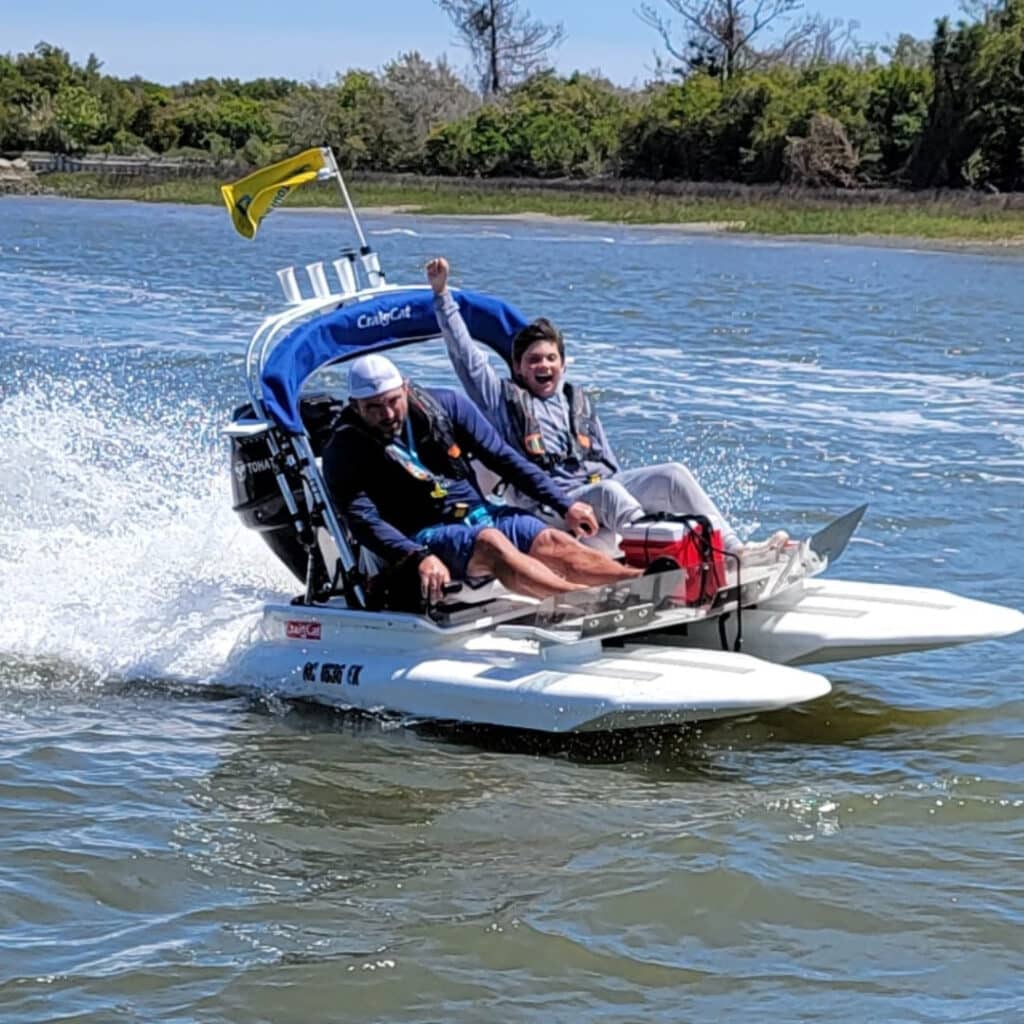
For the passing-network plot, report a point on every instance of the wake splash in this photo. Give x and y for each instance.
(119, 553)
(120, 557)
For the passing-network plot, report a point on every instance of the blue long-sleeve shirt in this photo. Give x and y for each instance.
(484, 386)
(385, 506)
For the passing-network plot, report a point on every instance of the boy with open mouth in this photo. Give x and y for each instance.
(551, 421)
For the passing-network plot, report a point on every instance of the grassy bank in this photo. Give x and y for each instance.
(938, 220)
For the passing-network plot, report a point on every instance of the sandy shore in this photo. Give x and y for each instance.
(691, 226)
(1014, 244)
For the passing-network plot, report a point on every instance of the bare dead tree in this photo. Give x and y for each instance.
(816, 40)
(979, 10)
(718, 35)
(505, 43)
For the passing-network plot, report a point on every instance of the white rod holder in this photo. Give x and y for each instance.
(371, 266)
(318, 279)
(290, 287)
(345, 268)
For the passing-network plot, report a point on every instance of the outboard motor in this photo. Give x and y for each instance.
(257, 496)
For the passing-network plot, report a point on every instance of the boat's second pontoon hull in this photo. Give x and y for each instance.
(823, 620)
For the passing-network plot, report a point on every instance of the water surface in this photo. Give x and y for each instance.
(171, 852)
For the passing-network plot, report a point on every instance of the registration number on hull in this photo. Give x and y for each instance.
(331, 673)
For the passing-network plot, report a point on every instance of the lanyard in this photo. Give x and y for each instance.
(407, 456)
(410, 444)
(408, 450)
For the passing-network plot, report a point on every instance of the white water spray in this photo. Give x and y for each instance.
(119, 552)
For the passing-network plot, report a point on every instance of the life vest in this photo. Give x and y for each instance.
(436, 446)
(583, 434)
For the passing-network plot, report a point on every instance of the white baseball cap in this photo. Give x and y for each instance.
(372, 375)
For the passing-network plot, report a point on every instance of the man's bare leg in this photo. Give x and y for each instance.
(494, 554)
(571, 559)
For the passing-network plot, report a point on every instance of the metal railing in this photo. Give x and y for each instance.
(142, 167)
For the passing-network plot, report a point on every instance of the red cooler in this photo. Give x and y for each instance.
(688, 541)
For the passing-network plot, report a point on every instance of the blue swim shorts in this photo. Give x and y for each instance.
(453, 542)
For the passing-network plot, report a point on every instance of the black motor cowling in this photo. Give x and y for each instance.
(257, 497)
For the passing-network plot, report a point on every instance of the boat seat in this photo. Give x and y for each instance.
(462, 594)
(478, 598)
(487, 479)
(475, 590)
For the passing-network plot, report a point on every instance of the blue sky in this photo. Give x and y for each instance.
(315, 38)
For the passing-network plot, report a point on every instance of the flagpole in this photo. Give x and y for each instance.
(333, 165)
(367, 256)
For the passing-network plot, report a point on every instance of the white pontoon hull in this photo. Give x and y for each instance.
(381, 663)
(822, 620)
(384, 662)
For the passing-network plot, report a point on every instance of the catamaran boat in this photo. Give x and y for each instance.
(701, 641)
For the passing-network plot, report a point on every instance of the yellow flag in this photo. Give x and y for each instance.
(251, 198)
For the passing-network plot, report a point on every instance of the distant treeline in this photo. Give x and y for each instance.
(949, 113)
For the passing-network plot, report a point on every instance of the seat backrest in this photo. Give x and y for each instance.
(486, 478)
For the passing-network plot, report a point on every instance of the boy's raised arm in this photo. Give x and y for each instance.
(478, 378)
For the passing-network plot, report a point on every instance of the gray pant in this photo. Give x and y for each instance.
(670, 487)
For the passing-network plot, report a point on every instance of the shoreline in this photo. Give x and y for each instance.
(732, 229)
(704, 223)
(736, 229)
(696, 227)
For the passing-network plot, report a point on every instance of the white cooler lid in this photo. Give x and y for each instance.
(658, 532)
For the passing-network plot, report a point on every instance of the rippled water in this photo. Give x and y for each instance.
(169, 852)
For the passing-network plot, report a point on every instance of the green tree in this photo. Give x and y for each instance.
(196, 119)
(239, 119)
(488, 147)
(364, 124)
(305, 117)
(14, 126)
(898, 98)
(446, 149)
(998, 116)
(676, 131)
(565, 126)
(77, 117)
(46, 70)
(791, 99)
(152, 119)
(975, 127)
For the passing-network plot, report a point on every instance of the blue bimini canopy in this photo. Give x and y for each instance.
(385, 321)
